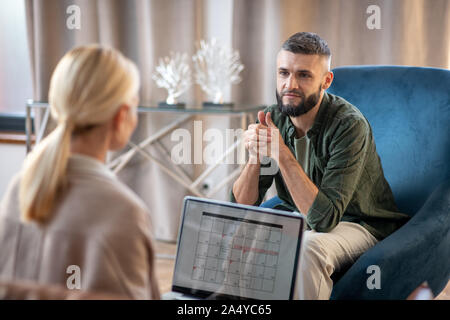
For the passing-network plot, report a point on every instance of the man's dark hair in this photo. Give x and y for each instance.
(307, 43)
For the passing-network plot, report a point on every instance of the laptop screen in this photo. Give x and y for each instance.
(228, 250)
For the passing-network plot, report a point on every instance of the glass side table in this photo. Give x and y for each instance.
(246, 114)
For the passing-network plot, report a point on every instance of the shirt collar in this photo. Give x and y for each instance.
(320, 116)
(86, 164)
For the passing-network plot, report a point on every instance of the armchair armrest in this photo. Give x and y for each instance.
(417, 252)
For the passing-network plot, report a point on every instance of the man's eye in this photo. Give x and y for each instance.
(283, 73)
(304, 75)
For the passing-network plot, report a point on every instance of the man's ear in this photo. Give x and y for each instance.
(328, 80)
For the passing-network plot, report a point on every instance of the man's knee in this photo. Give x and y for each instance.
(312, 247)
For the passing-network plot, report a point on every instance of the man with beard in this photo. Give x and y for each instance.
(329, 170)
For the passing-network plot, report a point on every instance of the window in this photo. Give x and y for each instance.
(15, 70)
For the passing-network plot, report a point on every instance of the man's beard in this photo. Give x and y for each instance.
(303, 107)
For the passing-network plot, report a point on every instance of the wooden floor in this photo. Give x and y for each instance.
(164, 269)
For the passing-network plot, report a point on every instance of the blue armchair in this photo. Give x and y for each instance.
(409, 111)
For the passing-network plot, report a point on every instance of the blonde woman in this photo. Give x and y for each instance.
(65, 218)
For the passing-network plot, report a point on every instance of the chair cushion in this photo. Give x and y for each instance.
(417, 252)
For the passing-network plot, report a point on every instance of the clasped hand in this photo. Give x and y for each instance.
(263, 139)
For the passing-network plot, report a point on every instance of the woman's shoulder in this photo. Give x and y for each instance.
(100, 185)
(9, 203)
(88, 203)
(106, 197)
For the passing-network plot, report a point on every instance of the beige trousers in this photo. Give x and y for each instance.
(323, 253)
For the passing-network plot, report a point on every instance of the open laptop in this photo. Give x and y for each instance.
(232, 251)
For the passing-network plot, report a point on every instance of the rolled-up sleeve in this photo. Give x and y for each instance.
(348, 153)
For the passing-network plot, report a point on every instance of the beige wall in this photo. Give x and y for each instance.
(11, 158)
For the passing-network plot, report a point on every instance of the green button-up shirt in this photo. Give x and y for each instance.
(345, 167)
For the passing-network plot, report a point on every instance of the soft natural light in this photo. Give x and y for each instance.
(15, 72)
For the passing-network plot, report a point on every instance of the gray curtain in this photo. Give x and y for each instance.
(413, 32)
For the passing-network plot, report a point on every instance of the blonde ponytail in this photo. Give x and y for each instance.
(87, 87)
(43, 175)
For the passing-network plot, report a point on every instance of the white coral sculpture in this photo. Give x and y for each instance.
(174, 74)
(216, 67)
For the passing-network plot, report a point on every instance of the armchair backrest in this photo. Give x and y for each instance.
(408, 109)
